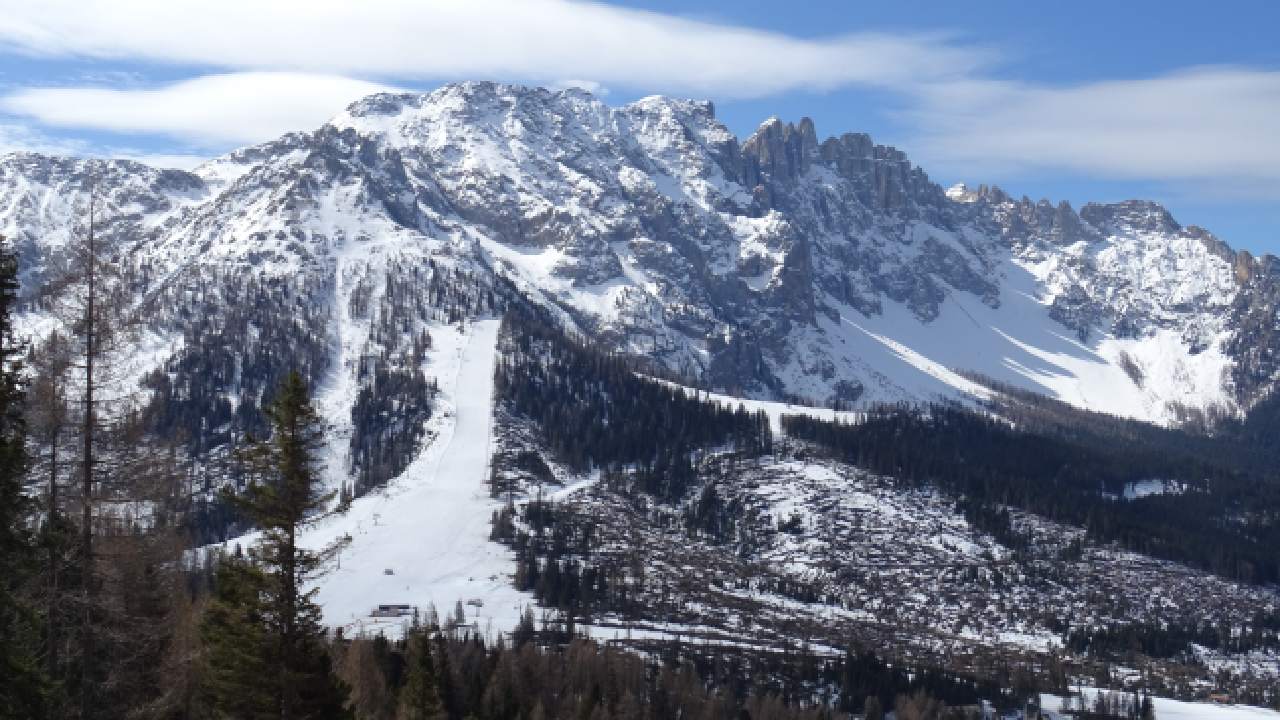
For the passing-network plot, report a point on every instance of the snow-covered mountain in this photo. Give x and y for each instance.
(780, 265)
(377, 253)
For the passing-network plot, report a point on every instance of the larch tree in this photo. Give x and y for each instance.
(113, 503)
(361, 670)
(75, 373)
(48, 418)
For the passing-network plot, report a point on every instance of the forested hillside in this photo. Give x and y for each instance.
(1210, 511)
(594, 411)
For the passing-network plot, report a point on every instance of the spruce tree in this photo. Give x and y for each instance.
(420, 696)
(22, 683)
(237, 680)
(283, 496)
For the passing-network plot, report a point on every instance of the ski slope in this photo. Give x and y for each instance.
(430, 526)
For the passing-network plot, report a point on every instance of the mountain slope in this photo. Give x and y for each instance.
(375, 253)
(775, 266)
(425, 538)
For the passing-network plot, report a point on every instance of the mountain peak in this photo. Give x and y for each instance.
(1135, 215)
(679, 106)
(782, 151)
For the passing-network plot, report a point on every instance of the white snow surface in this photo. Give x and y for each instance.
(908, 360)
(430, 525)
(1167, 709)
(773, 409)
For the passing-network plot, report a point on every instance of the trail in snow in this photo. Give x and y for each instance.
(430, 526)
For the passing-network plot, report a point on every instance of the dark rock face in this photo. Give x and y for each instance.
(1137, 214)
(1255, 321)
(778, 152)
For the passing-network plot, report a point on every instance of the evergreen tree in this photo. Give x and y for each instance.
(283, 496)
(450, 693)
(238, 681)
(23, 685)
(1148, 710)
(420, 696)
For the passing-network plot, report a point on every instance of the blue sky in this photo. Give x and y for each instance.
(1173, 101)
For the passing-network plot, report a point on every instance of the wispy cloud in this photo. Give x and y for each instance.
(538, 40)
(279, 66)
(17, 136)
(176, 161)
(1208, 125)
(229, 108)
(591, 86)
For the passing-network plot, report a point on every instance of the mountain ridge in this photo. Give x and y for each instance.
(780, 265)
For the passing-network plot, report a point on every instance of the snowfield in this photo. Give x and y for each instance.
(424, 538)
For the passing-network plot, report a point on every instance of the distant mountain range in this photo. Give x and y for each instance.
(779, 266)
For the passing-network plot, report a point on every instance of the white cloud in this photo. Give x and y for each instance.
(1208, 126)
(15, 137)
(590, 86)
(231, 108)
(176, 161)
(290, 65)
(19, 137)
(533, 40)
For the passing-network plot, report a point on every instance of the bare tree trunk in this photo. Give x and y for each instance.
(86, 530)
(51, 624)
(288, 659)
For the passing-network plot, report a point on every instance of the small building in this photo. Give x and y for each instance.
(393, 611)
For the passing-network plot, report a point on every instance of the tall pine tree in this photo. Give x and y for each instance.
(237, 680)
(420, 696)
(23, 685)
(283, 496)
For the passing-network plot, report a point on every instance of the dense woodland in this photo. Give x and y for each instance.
(1165, 640)
(549, 673)
(395, 397)
(593, 410)
(1225, 520)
